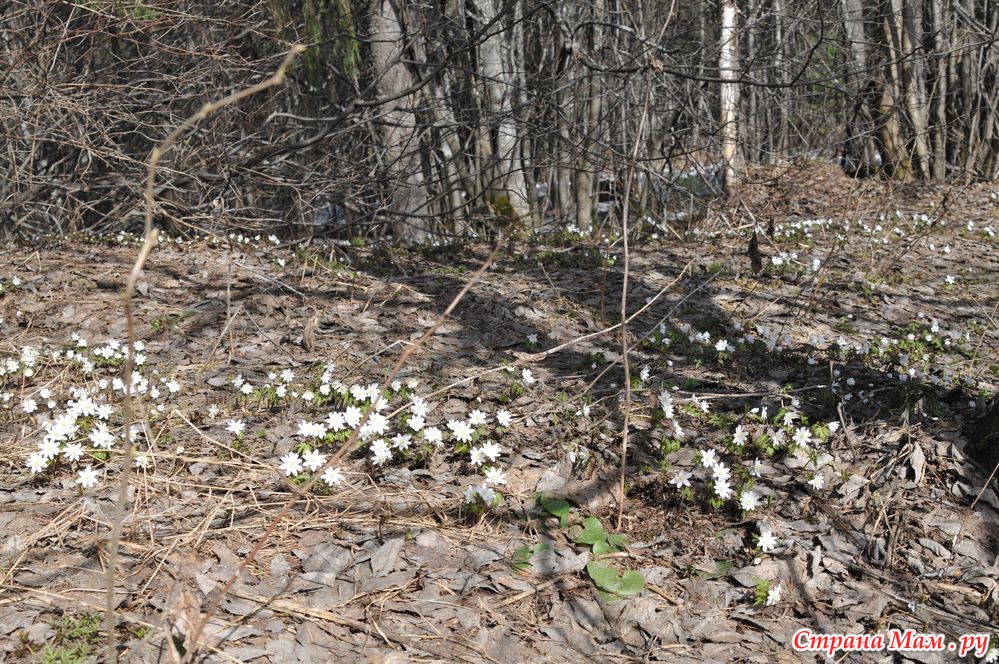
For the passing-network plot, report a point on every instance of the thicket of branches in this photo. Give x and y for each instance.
(413, 119)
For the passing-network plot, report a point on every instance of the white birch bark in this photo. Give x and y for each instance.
(728, 62)
(407, 190)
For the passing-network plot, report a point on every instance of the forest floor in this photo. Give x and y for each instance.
(820, 412)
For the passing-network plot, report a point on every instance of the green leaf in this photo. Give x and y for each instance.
(556, 506)
(602, 548)
(521, 558)
(631, 583)
(722, 568)
(617, 541)
(603, 576)
(610, 598)
(607, 580)
(593, 531)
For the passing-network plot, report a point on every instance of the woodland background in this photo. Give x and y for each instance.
(407, 119)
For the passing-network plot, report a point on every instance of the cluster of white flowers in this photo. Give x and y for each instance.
(385, 439)
(778, 435)
(93, 406)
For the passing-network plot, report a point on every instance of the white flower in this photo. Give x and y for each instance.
(246, 388)
(491, 450)
(767, 541)
(333, 476)
(36, 462)
(722, 489)
(287, 375)
(314, 460)
(291, 464)
(308, 429)
(749, 500)
(352, 416)
(173, 386)
(802, 436)
(723, 346)
(419, 407)
(73, 451)
(416, 423)
(789, 417)
(818, 481)
(477, 418)
(101, 437)
(375, 426)
(141, 461)
(380, 452)
(87, 478)
(494, 476)
(433, 436)
(335, 421)
(487, 494)
(833, 427)
(29, 406)
(235, 427)
(644, 376)
(681, 479)
(950, 280)
(991, 656)
(757, 467)
(721, 472)
(49, 449)
(528, 376)
(477, 458)
(532, 338)
(740, 436)
(402, 441)
(359, 392)
(213, 411)
(708, 458)
(773, 596)
(461, 430)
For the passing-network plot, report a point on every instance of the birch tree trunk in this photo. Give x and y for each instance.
(499, 66)
(940, 47)
(912, 65)
(401, 160)
(728, 63)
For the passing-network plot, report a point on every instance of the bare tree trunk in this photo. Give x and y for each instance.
(498, 64)
(860, 151)
(589, 113)
(912, 65)
(585, 176)
(780, 143)
(401, 161)
(894, 153)
(939, 95)
(728, 63)
(750, 126)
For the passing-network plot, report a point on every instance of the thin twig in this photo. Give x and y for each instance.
(624, 305)
(151, 234)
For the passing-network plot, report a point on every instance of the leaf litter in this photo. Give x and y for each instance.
(901, 531)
